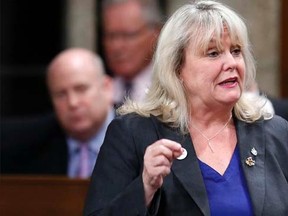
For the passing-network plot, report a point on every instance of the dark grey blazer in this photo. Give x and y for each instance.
(33, 146)
(116, 186)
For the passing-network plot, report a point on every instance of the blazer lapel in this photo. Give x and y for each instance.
(252, 145)
(189, 174)
(187, 170)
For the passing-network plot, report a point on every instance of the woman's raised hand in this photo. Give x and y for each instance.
(158, 160)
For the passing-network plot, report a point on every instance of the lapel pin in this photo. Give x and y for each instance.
(183, 155)
(250, 162)
(254, 151)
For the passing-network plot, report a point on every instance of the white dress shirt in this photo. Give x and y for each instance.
(140, 85)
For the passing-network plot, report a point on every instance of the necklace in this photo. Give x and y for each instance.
(209, 139)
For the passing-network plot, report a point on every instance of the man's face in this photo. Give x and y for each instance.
(81, 98)
(128, 40)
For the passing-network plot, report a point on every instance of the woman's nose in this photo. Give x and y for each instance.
(229, 62)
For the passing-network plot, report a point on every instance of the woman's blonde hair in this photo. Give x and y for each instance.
(193, 23)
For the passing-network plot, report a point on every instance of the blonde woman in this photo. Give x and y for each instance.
(196, 145)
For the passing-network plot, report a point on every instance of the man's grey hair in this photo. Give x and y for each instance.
(151, 11)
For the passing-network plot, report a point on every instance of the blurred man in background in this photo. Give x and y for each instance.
(130, 30)
(68, 143)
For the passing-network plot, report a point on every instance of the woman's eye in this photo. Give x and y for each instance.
(236, 52)
(213, 53)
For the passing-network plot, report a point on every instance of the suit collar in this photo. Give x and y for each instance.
(186, 170)
(189, 174)
(251, 136)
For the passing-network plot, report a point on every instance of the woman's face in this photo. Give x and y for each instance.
(214, 77)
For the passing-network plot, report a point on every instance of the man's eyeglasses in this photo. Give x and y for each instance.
(125, 35)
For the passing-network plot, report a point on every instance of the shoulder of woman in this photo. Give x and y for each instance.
(275, 126)
(277, 129)
(277, 122)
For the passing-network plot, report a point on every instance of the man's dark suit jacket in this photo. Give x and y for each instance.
(33, 146)
(116, 187)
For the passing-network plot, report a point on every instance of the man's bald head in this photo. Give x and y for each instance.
(80, 91)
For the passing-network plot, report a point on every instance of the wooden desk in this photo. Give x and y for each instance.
(42, 196)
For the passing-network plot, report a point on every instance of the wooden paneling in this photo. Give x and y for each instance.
(284, 49)
(42, 196)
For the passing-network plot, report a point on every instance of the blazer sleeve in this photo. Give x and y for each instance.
(116, 186)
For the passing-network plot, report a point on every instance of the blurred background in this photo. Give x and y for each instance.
(33, 32)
